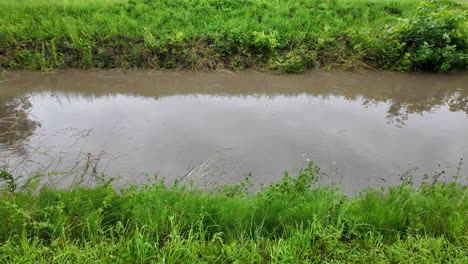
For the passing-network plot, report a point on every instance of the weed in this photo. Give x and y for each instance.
(9, 179)
(285, 36)
(434, 40)
(292, 220)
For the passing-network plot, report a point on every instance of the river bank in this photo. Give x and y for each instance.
(291, 221)
(282, 36)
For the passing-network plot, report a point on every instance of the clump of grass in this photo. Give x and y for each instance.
(285, 36)
(292, 220)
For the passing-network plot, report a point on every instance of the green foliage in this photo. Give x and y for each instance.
(9, 179)
(296, 61)
(265, 42)
(285, 36)
(296, 185)
(436, 39)
(292, 220)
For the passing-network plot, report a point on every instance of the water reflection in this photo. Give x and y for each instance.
(16, 123)
(404, 93)
(364, 127)
(427, 101)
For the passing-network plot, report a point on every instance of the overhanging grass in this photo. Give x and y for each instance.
(289, 35)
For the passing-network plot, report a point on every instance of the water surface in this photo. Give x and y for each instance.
(361, 128)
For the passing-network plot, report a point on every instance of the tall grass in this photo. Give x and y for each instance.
(289, 35)
(292, 221)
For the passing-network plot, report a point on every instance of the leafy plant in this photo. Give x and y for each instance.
(436, 39)
(9, 179)
(265, 42)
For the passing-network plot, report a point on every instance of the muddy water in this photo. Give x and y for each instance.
(361, 128)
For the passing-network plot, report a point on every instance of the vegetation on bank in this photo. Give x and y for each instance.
(290, 221)
(285, 36)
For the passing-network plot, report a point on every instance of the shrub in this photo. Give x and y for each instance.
(436, 39)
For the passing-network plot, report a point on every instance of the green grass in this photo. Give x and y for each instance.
(287, 222)
(286, 35)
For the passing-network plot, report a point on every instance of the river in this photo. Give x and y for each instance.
(362, 129)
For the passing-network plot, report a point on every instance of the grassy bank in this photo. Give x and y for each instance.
(286, 222)
(285, 36)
